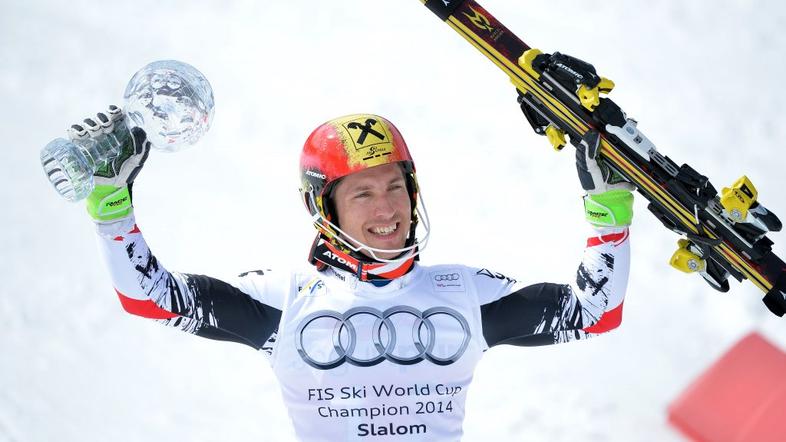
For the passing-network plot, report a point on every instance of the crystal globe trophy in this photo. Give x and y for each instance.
(170, 100)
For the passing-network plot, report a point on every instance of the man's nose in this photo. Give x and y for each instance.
(383, 206)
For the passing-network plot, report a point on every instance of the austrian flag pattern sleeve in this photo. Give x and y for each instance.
(541, 314)
(246, 312)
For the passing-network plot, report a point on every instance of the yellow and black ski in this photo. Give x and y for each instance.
(562, 98)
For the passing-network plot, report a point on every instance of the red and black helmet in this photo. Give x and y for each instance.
(343, 146)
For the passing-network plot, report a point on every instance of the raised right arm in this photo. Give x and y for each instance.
(197, 304)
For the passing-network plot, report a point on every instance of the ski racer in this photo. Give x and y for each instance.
(364, 340)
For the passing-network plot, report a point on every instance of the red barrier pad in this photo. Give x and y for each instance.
(741, 397)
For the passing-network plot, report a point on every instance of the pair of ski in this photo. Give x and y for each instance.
(723, 235)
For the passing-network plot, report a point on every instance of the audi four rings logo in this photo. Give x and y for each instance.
(448, 277)
(385, 333)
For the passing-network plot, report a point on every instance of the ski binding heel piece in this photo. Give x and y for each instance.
(737, 199)
(741, 207)
(688, 259)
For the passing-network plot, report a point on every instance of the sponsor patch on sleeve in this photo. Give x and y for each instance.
(496, 275)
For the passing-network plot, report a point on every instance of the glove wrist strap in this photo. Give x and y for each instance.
(107, 203)
(609, 209)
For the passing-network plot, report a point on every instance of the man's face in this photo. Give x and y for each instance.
(373, 207)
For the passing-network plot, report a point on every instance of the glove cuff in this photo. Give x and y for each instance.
(609, 209)
(108, 203)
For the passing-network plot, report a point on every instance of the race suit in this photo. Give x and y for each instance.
(356, 361)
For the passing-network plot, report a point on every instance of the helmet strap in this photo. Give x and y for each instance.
(313, 252)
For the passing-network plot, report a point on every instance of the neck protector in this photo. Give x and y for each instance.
(323, 254)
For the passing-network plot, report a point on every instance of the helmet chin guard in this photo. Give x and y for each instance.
(351, 244)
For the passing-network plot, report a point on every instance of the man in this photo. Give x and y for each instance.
(364, 340)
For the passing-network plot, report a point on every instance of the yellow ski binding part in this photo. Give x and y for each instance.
(738, 199)
(556, 138)
(525, 61)
(590, 98)
(686, 261)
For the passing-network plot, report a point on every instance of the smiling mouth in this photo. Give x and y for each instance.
(384, 230)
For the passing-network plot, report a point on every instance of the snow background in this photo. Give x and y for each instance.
(74, 366)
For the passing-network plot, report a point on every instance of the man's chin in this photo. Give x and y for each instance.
(386, 246)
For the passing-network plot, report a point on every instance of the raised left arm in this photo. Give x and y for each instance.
(547, 313)
(551, 313)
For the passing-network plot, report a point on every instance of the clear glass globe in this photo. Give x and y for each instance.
(172, 102)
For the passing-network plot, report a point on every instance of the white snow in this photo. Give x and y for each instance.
(704, 79)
